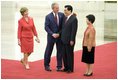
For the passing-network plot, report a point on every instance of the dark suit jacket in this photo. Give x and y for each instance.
(69, 30)
(51, 24)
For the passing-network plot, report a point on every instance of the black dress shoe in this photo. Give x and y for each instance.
(85, 74)
(48, 69)
(64, 70)
(69, 71)
(89, 74)
(59, 69)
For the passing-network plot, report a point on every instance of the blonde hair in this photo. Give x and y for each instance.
(22, 10)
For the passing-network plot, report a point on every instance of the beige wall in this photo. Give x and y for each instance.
(38, 10)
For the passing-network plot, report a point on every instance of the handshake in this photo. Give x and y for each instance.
(55, 35)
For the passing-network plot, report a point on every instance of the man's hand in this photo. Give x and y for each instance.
(71, 43)
(55, 35)
(89, 49)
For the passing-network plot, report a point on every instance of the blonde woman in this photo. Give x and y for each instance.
(26, 32)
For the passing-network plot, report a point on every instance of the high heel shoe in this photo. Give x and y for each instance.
(85, 74)
(22, 62)
(27, 67)
(89, 74)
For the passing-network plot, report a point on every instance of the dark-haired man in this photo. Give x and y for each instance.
(68, 34)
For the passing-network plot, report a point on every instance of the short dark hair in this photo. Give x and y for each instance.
(91, 18)
(69, 7)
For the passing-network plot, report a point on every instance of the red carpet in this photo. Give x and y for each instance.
(105, 67)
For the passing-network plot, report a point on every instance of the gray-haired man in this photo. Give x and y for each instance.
(53, 24)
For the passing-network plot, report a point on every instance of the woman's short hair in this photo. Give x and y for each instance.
(91, 18)
(22, 10)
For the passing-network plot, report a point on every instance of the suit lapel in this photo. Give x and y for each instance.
(25, 20)
(69, 20)
(59, 18)
(53, 18)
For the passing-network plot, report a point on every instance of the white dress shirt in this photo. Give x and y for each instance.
(57, 17)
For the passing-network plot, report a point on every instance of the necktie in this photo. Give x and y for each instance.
(56, 18)
(66, 20)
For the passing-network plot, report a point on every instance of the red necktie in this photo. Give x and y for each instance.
(66, 20)
(56, 18)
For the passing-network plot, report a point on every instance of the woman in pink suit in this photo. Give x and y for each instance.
(26, 31)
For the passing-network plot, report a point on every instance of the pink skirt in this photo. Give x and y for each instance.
(27, 45)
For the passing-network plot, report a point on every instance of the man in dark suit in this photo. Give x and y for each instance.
(68, 34)
(53, 24)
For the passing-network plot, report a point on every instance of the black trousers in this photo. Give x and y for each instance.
(68, 56)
